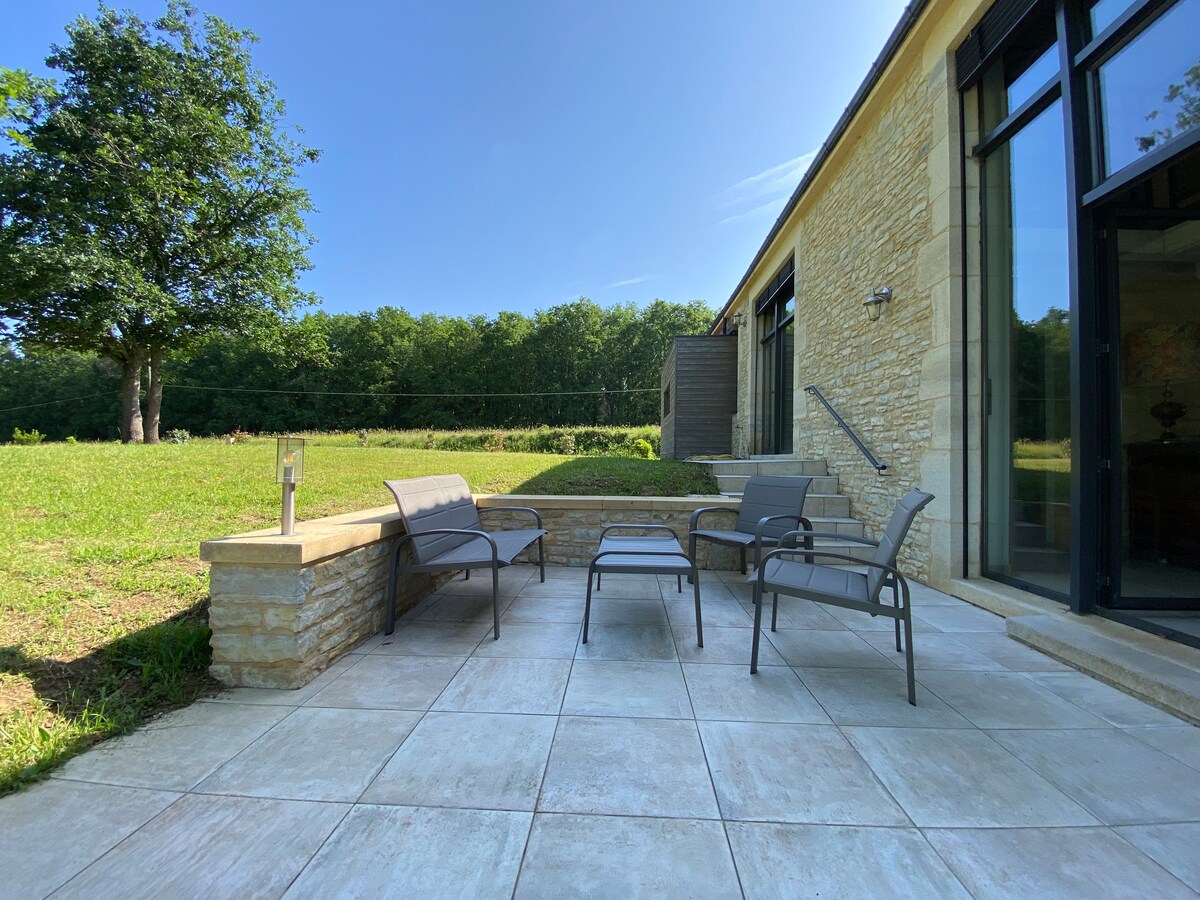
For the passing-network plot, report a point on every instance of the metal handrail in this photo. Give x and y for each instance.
(879, 467)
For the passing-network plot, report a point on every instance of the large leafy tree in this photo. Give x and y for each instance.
(149, 199)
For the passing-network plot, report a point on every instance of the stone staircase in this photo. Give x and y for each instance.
(825, 507)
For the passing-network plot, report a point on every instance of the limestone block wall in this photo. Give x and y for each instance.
(886, 209)
(283, 609)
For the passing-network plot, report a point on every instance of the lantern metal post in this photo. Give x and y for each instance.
(289, 472)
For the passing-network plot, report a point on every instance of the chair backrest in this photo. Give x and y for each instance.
(772, 495)
(435, 501)
(893, 536)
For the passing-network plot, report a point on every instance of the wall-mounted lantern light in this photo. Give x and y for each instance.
(289, 471)
(875, 300)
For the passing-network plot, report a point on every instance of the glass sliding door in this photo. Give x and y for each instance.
(1027, 403)
(1157, 373)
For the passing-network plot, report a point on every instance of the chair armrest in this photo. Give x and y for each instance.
(891, 571)
(697, 513)
(762, 524)
(806, 535)
(666, 528)
(470, 533)
(527, 509)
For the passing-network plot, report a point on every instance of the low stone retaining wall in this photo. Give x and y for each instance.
(284, 608)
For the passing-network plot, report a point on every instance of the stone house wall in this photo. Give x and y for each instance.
(884, 210)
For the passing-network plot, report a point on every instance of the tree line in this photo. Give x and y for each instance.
(573, 364)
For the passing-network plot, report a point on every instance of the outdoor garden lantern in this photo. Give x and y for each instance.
(289, 471)
(874, 302)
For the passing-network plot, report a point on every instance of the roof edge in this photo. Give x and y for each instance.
(908, 19)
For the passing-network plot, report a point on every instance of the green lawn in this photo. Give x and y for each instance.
(102, 597)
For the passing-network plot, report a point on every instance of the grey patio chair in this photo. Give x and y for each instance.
(782, 573)
(771, 506)
(443, 528)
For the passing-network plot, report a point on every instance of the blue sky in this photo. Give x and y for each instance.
(481, 157)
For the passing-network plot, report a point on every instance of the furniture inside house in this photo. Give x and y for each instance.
(771, 506)
(444, 533)
(1164, 498)
(656, 553)
(781, 572)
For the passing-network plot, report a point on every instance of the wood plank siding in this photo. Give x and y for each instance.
(699, 396)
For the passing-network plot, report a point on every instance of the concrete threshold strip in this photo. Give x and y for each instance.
(1162, 672)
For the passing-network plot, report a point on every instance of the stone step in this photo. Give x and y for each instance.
(769, 466)
(736, 483)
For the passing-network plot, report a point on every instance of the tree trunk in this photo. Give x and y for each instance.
(154, 395)
(131, 397)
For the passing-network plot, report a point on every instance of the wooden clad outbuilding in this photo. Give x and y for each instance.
(699, 396)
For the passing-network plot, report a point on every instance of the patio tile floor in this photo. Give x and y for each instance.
(437, 762)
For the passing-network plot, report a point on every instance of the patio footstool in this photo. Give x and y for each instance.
(642, 554)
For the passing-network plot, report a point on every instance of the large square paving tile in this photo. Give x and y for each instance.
(826, 649)
(1179, 741)
(719, 613)
(501, 685)
(628, 767)
(1120, 779)
(1171, 846)
(533, 640)
(787, 861)
(615, 856)
(794, 773)
(611, 687)
(179, 749)
(1115, 707)
(623, 611)
(385, 851)
(1006, 700)
(391, 682)
(1011, 653)
(935, 652)
(52, 830)
(962, 778)
(1052, 862)
(315, 754)
(470, 760)
(464, 607)
(525, 609)
(876, 697)
(187, 850)
(959, 618)
(633, 642)
(731, 693)
(797, 614)
(435, 638)
(723, 646)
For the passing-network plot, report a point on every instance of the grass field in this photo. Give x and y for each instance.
(103, 600)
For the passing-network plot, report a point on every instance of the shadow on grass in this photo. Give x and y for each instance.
(615, 476)
(107, 692)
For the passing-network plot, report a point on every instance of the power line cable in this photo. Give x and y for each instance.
(197, 387)
(52, 402)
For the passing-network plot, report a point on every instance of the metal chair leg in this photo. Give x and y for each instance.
(587, 604)
(696, 588)
(495, 601)
(757, 630)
